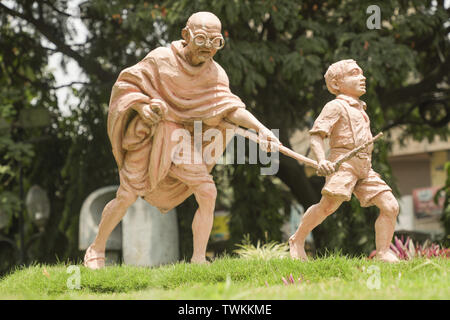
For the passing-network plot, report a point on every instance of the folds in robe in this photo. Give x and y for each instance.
(144, 153)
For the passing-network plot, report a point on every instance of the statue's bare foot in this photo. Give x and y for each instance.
(201, 260)
(94, 259)
(297, 250)
(387, 256)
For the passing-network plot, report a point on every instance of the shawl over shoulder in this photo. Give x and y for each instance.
(191, 93)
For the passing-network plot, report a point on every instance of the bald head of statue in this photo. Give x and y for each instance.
(205, 20)
(202, 35)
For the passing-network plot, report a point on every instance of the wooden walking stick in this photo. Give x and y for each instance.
(300, 158)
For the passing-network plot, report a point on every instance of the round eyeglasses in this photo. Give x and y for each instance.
(201, 40)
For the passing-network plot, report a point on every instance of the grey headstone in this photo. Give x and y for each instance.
(90, 216)
(146, 236)
(149, 237)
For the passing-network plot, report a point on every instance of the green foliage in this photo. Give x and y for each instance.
(18, 152)
(24, 86)
(9, 206)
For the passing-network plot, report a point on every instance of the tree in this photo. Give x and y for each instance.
(275, 56)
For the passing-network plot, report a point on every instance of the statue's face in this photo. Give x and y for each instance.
(353, 83)
(203, 41)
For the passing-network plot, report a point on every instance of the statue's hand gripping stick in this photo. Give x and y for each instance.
(300, 158)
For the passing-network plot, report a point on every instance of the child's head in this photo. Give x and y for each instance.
(345, 77)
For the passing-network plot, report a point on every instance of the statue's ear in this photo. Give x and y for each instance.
(185, 35)
(335, 85)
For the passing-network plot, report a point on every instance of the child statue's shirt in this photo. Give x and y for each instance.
(345, 122)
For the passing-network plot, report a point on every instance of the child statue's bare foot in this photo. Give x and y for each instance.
(297, 250)
(387, 256)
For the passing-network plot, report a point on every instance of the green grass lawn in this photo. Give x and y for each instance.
(334, 277)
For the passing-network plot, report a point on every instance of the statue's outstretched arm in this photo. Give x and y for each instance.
(244, 118)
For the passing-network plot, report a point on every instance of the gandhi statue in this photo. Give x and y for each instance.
(169, 90)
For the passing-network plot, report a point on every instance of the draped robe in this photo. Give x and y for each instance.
(144, 152)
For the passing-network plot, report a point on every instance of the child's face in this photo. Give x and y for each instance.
(353, 83)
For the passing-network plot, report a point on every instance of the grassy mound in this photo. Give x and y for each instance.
(333, 277)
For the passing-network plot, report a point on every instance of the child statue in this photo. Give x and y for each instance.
(347, 125)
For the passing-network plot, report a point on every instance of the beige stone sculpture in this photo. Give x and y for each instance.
(169, 90)
(346, 124)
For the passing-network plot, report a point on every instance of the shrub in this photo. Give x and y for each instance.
(406, 250)
(270, 250)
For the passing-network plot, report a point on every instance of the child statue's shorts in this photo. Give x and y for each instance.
(355, 176)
